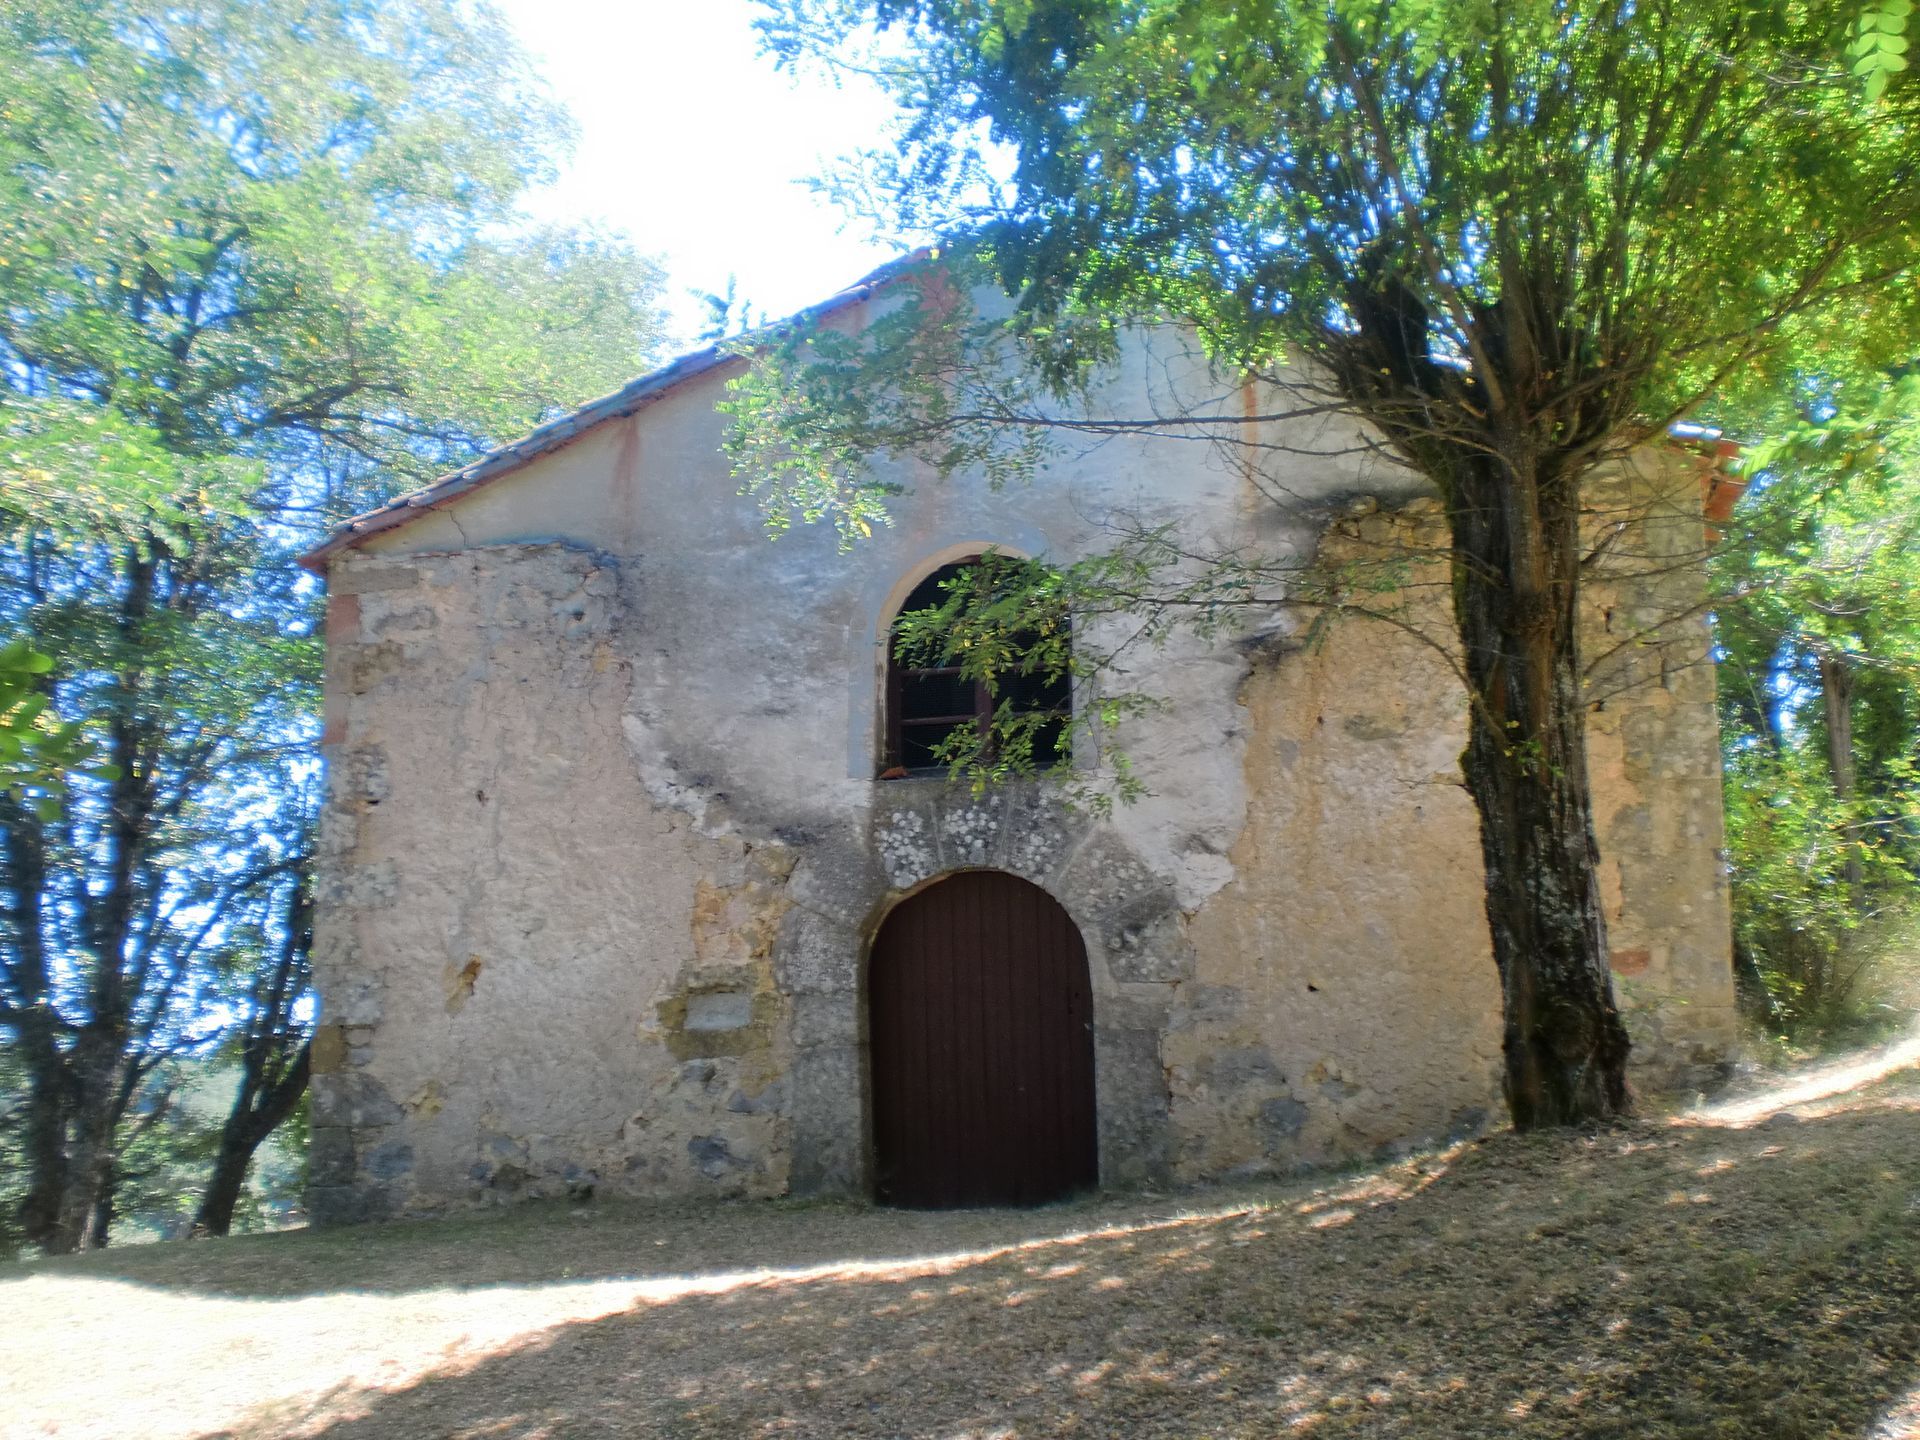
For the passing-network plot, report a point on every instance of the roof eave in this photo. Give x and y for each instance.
(628, 400)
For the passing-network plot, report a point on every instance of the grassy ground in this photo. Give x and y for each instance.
(1745, 1273)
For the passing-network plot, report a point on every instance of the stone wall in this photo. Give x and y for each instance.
(1653, 757)
(604, 850)
(533, 977)
(1346, 998)
(1354, 932)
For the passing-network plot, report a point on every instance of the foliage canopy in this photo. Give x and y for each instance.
(260, 263)
(1518, 239)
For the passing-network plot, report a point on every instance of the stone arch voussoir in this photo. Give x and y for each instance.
(917, 831)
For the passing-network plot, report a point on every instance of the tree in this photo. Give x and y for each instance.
(261, 264)
(1820, 692)
(1518, 239)
(37, 750)
(272, 1044)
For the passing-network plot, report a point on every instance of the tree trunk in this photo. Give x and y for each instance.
(1751, 989)
(1836, 693)
(101, 1067)
(100, 1221)
(257, 1112)
(44, 1128)
(1516, 567)
(96, 1073)
(215, 1215)
(36, 1026)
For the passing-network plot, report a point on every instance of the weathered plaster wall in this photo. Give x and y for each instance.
(758, 662)
(604, 848)
(1345, 996)
(1653, 758)
(533, 977)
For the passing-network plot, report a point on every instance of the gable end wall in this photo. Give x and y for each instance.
(598, 872)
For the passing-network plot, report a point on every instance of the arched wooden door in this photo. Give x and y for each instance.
(981, 1027)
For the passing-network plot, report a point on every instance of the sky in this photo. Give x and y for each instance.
(695, 148)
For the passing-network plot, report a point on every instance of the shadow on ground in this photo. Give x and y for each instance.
(1673, 1280)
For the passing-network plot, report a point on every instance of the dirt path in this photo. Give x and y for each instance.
(1673, 1280)
(1836, 1081)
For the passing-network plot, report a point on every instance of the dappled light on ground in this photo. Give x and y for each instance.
(1902, 1420)
(1661, 1280)
(1840, 1082)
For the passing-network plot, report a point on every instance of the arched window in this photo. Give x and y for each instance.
(928, 703)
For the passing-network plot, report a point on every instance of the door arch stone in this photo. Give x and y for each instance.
(845, 884)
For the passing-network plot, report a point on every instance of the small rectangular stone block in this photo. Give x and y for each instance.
(364, 578)
(719, 1010)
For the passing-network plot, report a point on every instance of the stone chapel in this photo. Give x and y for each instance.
(634, 875)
